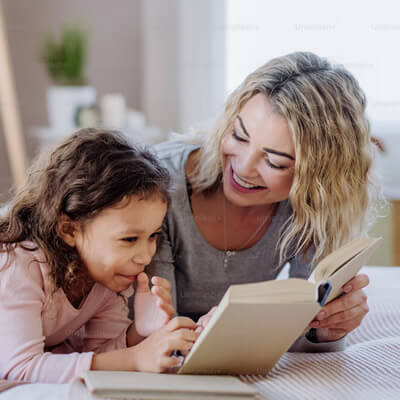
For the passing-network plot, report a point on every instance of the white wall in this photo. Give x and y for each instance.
(183, 61)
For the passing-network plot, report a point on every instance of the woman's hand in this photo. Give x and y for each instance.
(343, 314)
(153, 308)
(154, 354)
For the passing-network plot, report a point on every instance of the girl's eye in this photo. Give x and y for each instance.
(155, 235)
(238, 138)
(272, 165)
(130, 239)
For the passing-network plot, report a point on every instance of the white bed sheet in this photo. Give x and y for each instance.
(369, 368)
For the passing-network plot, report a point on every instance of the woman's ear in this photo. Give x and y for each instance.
(68, 230)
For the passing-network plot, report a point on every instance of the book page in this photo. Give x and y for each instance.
(274, 289)
(349, 270)
(339, 258)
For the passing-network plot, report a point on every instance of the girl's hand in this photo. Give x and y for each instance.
(153, 309)
(343, 314)
(204, 320)
(154, 354)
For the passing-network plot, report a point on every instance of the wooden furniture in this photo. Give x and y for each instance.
(9, 110)
(396, 231)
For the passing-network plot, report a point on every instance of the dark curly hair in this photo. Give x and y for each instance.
(91, 170)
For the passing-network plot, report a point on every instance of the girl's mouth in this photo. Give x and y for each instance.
(131, 278)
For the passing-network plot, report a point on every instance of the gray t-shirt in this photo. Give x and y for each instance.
(197, 271)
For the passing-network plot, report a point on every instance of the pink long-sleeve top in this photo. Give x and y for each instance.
(43, 338)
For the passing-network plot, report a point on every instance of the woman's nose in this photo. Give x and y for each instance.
(247, 164)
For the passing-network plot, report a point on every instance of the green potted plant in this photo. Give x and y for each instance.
(65, 61)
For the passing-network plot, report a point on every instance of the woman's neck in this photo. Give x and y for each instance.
(249, 211)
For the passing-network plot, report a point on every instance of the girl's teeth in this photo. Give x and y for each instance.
(242, 183)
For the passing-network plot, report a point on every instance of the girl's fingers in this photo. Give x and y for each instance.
(187, 334)
(177, 344)
(167, 308)
(203, 321)
(142, 285)
(180, 322)
(185, 353)
(169, 362)
(157, 281)
(162, 293)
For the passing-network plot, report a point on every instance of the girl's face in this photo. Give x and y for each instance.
(120, 241)
(258, 156)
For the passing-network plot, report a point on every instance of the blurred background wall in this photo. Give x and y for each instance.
(176, 61)
(114, 61)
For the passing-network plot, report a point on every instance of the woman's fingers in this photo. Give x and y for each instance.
(344, 318)
(342, 303)
(329, 335)
(358, 282)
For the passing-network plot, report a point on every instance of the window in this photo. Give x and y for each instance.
(364, 36)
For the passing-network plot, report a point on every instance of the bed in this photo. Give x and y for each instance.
(368, 369)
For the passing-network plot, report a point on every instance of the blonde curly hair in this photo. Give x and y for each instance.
(334, 190)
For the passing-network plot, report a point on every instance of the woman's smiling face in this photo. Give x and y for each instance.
(258, 156)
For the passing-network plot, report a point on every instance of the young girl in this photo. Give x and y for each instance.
(75, 239)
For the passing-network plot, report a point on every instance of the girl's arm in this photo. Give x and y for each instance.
(153, 354)
(22, 301)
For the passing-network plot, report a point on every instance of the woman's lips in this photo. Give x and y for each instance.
(240, 188)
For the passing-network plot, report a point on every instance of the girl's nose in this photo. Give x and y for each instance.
(144, 254)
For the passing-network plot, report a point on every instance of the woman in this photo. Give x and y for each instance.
(285, 177)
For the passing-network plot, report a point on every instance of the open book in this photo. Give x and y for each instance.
(255, 323)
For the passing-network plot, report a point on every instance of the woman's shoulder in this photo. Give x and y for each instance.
(284, 210)
(173, 155)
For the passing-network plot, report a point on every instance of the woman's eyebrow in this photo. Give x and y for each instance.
(242, 125)
(279, 153)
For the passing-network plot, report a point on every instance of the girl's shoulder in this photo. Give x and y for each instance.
(24, 265)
